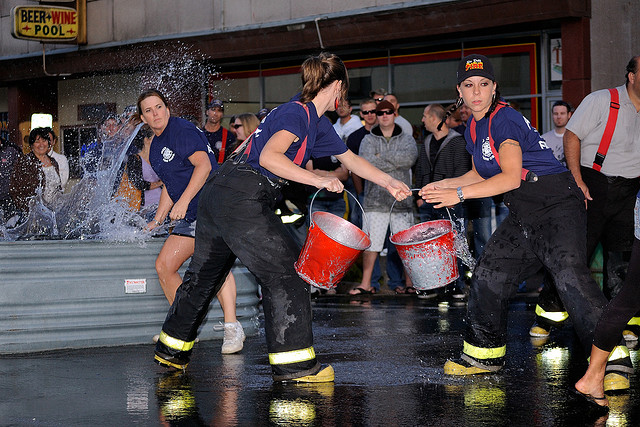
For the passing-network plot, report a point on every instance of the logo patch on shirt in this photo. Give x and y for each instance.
(487, 154)
(167, 155)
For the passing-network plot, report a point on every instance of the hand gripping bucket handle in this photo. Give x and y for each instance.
(417, 189)
(427, 252)
(332, 246)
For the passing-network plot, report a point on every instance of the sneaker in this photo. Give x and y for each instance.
(629, 335)
(538, 331)
(325, 375)
(426, 294)
(631, 332)
(616, 381)
(462, 367)
(233, 337)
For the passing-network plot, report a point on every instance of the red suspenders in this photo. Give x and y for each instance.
(472, 131)
(605, 142)
(225, 134)
(303, 147)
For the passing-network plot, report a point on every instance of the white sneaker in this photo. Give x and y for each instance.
(233, 338)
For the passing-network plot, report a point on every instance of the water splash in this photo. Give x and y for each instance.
(460, 243)
(89, 210)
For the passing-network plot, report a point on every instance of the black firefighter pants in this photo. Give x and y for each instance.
(236, 218)
(610, 222)
(545, 228)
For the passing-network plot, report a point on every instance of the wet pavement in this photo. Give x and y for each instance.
(387, 351)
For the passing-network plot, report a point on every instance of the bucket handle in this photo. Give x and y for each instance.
(365, 222)
(394, 203)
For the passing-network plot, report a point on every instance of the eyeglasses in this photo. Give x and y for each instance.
(364, 113)
(384, 113)
(236, 126)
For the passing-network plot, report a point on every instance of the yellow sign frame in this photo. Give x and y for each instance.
(45, 23)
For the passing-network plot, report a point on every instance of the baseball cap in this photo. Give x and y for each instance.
(381, 92)
(385, 105)
(475, 65)
(262, 113)
(216, 103)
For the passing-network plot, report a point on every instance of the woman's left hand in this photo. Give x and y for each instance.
(398, 189)
(179, 210)
(440, 197)
(331, 183)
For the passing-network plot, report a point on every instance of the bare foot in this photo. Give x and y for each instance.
(362, 290)
(594, 388)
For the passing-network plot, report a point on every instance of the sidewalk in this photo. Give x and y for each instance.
(387, 352)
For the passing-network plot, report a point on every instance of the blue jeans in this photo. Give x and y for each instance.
(479, 211)
(395, 269)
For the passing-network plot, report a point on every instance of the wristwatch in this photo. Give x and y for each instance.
(460, 195)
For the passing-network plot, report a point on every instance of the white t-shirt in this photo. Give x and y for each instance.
(63, 166)
(554, 141)
(51, 191)
(347, 129)
(404, 124)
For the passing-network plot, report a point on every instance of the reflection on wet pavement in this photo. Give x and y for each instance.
(387, 352)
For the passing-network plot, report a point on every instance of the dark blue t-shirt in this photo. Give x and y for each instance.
(509, 124)
(169, 157)
(322, 139)
(356, 137)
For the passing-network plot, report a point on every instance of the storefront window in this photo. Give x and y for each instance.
(417, 79)
(425, 81)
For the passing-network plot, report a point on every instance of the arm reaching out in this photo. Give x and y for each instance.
(398, 189)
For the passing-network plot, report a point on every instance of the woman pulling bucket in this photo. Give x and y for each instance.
(546, 226)
(236, 218)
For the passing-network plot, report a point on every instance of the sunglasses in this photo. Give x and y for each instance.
(364, 113)
(384, 113)
(236, 126)
(379, 99)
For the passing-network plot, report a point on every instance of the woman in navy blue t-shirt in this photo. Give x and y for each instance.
(236, 218)
(180, 155)
(545, 228)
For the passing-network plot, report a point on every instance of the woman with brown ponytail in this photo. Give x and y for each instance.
(546, 225)
(236, 219)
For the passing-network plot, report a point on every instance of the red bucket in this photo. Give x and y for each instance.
(428, 254)
(332, 246)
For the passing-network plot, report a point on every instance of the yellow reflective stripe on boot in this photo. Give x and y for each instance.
(483, 353)
(175, 343)
(554, 316)
(634, 321)
(293, 356)
(619, 352)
